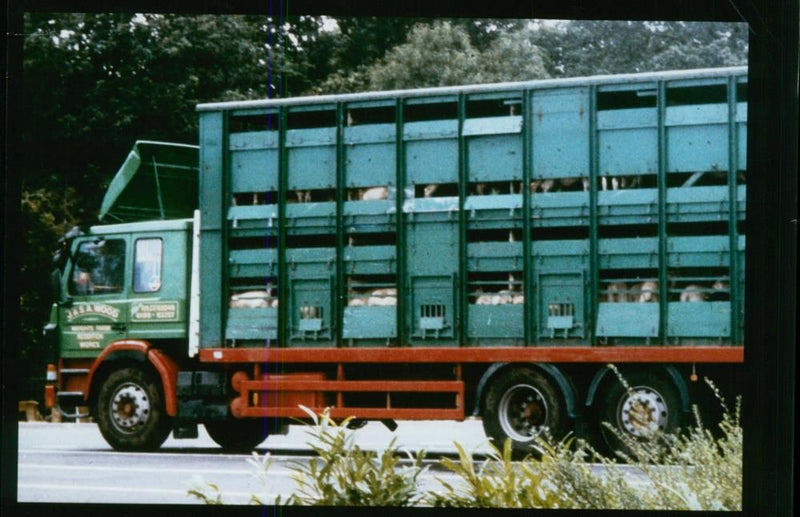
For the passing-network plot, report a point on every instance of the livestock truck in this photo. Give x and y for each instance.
(426, 254)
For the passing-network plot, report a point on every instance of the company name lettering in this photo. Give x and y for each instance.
(98, 309)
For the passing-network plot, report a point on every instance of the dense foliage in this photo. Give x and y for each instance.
(695, 470)
(95, 83)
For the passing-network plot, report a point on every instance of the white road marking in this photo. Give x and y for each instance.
(74, 488)
(159, 470)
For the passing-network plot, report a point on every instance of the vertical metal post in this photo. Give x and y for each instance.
(463, 180)
(527, 266)
(733, 216)
(400, 251)
(662, 212)
(213, 203)
(594, 245)
(159, 196)
(338, 288)
(283, 274)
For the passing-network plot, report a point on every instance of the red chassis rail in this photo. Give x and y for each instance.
(279, 395)
(627, 354)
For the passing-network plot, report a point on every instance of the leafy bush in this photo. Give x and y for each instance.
(691, 470)
(498, 483)
(344, 474)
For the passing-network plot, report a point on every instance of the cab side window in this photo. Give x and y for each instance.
(99, 268)
(147, 266)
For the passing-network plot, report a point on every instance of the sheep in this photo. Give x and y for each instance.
(645, 292)
(693, 293)
(356, 299)
(720, 291)
(504, 297)
(615, 292)
(481, 189)
(430, 189)
(253, 299)
(374, 193)
(482, 299)
(308, 312)
(383, 297)
(556, 185)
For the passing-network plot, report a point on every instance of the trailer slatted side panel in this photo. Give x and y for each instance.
(577, 212)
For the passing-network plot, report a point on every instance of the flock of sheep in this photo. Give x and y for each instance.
(642, 292)
(645, 292)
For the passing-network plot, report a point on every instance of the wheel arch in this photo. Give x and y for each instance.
(138, 353)
(604, 376)
(551, 371)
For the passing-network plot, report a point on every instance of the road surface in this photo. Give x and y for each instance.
(70, 462)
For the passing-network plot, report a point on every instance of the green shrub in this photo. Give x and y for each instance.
(702, 472)
(691, 470)
(344, 474)
(498, 483)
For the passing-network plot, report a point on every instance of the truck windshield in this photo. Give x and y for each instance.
(99, 268)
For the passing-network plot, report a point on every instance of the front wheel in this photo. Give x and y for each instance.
(521, 404)
(239, 435)
(130, 411)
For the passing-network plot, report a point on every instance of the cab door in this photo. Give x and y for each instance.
(97, 312)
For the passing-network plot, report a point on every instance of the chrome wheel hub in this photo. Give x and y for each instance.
(130, 407)
(642, 412)
(523, 412)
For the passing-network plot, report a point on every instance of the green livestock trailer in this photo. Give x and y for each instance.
(435, 253)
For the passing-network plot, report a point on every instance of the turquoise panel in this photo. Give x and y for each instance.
(253, 263)
(562, 310)
(625, 319)
(494, 211)
(699, 319)
(370, 155)
(431, 152)
(494, 256)
(252, 324)
(627, 206)
(310, 313)
(616, 158)
(369, 322)
(628, 253)
(560, 209)
(496, 321)
(494, 148)
(370, 216)
(311, 218)
(560, 254)
(370, 260)
(311, 158)
(692, 204)
(702, 251)
(251, 152)
(560, 132)
(697, 148)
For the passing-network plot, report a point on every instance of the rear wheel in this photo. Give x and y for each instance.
(239, 435)
(130, 411)
(650, 406)
(520, 404)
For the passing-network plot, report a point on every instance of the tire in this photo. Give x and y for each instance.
(239, 435)
(519, 405)
(130, 411)
(653, 404)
